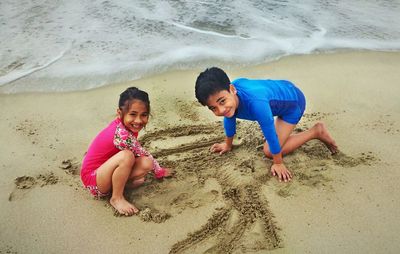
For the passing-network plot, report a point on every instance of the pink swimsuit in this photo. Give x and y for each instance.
(114, 138)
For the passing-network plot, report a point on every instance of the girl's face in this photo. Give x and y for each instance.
(136, 117)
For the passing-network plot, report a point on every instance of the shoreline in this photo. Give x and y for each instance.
(334, 204)
(147, 75)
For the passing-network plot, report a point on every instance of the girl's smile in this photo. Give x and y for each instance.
(137, 116)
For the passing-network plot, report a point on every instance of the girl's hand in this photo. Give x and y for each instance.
(168, 172)
(281, 171)
(220, 148)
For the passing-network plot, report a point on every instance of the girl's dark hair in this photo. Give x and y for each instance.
(129, 95)
(209, 82)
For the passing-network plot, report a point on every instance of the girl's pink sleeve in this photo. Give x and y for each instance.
(159, 172)
(126, 140)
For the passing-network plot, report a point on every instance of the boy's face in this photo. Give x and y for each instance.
(224, 103)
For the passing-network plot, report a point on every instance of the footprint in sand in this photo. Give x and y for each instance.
(70, 166)
(24, 183)
(153, 215)
(383, 123)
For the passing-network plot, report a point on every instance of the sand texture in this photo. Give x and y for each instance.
(342, 203)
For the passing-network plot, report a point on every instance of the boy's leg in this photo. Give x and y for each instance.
(113, 175)
(290, 142)
(283, 130)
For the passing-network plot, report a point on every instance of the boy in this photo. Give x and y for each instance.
(260, 100)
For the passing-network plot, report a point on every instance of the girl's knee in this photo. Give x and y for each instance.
(143, 165)
(127, 158)
(146, 163)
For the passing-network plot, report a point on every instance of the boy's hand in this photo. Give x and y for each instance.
(220, 148)
(281, 171)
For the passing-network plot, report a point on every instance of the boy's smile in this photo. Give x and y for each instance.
(224, 103)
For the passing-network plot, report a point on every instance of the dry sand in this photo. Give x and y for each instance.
(347, 203)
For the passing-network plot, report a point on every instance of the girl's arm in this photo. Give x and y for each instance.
(159, 172)
(138, 150)
(126, 140)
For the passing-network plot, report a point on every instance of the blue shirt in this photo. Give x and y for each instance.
(261, 100)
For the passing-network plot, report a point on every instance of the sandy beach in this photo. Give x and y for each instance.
(345, 203)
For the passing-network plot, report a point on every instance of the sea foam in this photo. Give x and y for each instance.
(77, 45)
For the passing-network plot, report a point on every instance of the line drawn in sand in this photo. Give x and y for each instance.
(244, 223)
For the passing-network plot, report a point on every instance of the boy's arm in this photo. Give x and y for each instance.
(266, 121)
(277, 158)
(222, 148)
(230, 131)
(228, 142)
(279, 169)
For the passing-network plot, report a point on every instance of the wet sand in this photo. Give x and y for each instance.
(346, 202)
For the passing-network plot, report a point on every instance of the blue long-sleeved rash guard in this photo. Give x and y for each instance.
(261, 100)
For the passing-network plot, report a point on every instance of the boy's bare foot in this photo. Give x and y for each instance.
(325, 137)
(123, 206)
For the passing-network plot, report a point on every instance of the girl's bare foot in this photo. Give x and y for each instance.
(325, 137)
(135, 183)
(123, 206)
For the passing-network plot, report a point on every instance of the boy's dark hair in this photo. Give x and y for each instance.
(129, 95)
(209, 82)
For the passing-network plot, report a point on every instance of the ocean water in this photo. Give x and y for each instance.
(60, 45)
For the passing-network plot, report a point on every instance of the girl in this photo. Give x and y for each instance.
(116, 159)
